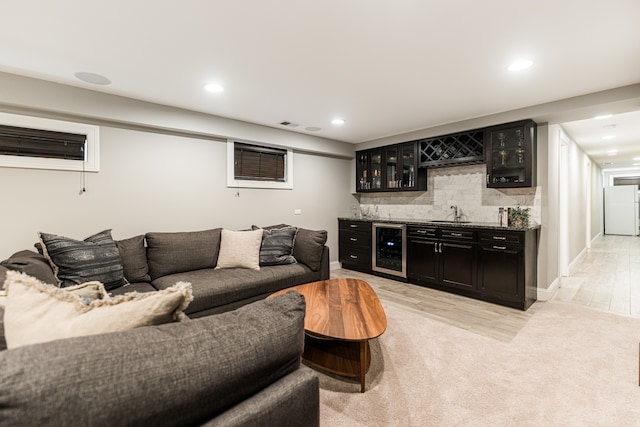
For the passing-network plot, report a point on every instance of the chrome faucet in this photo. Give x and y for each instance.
(456, 216)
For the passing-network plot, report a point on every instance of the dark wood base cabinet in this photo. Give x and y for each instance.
(507, 264)
(442, 256)
(493, 265)
(354, 250)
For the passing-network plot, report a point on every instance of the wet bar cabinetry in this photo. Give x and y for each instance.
(509, 151)
(442, 256)
(390, 168)
(507, 267)
(481, 261)
(354, 251)
(511, 155)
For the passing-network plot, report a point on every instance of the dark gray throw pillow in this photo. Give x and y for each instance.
(277, 246)
(79, 261)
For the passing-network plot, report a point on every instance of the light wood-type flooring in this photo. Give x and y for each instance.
(607, 278)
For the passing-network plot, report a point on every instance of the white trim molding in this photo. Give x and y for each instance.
(92, 155)
(241, 183)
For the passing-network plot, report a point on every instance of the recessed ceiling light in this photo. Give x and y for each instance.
(337, 121)
(608, 137)
(612, 152)
(520, 65)
(636, 158)
(607, 163)
(604, 116)
(92, 78)
(214, 87)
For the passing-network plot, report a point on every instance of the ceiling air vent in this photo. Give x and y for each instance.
(289, 124)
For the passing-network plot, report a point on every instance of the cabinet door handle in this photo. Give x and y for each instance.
(499, 238)
(421, 231)
(353, 239)
(353, 225)
(502, 248)
(456, 234)
(353, 256)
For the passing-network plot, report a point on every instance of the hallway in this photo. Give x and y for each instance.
(607, 278)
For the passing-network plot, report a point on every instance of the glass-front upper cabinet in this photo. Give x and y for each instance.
(390, 168)
(510, 154)
(409, 165)
(369, 170)
(391, 163)
(376, 169)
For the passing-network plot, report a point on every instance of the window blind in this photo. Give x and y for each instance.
(19, 141)
(252, 162)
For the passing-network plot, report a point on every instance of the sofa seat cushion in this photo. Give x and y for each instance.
(172, 375)
(140, 287)
(213, 288)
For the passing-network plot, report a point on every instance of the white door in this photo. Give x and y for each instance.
(620, 210)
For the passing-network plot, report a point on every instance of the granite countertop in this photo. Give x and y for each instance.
(438, 223)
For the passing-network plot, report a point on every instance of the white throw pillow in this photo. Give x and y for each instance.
(240, 249)
(36, 312)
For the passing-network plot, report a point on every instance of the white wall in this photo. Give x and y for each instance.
(156, 180)
(597, 202)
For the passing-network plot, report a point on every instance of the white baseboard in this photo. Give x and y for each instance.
(577, 261)
(334, 265)
(547, 294)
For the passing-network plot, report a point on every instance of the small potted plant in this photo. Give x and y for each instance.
(519, 217)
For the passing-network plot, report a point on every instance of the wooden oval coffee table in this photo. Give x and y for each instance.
(342, 316)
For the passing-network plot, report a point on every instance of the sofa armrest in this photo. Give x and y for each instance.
(293, 400)
(324, 264)
(174, 374)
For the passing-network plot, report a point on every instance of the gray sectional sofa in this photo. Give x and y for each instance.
(233, 364)
(158, 260)
(240, 368)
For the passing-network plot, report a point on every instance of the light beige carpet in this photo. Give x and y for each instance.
(568, 366)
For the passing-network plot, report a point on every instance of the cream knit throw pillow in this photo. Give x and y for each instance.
(240, 249)
(36, 312)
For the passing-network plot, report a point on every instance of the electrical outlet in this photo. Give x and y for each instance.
(297, 211)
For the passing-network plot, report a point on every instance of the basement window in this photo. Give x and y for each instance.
(259, 166)
(31, 142)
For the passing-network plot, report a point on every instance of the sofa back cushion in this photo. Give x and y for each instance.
(134, 259)
(169, 253)
(308, 247)
(31, 263)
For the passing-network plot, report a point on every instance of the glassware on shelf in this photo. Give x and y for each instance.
(502, 137)
(520, 136)
(503, 157)
(520, 153)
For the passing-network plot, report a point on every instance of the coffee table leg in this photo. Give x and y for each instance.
(363, 364)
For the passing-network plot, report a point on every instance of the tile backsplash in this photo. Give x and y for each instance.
(463, 186)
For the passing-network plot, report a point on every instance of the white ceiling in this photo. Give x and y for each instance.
(386, 67)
